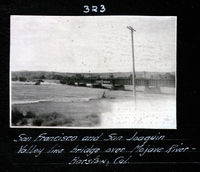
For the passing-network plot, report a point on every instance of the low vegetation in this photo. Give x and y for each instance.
(17, 116)
(31, 119)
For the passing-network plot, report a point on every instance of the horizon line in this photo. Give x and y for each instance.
(88, 72)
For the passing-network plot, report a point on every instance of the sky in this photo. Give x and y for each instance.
(92, 43)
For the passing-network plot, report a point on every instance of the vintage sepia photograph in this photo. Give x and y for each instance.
(98, 72)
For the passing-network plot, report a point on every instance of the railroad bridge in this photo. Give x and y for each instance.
(148, 83)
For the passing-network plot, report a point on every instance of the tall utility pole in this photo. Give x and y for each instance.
(134, 91)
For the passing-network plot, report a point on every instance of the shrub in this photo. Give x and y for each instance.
(94, 116)
(16, 116)
(95, 119)
(52, 119)
(24, 121)
(38, 121)
(51, 116)
(22, 79)
(92, 119)
(30, 114)
(68, 120)
(53, 123)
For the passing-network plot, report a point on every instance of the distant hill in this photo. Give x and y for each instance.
(52, 75)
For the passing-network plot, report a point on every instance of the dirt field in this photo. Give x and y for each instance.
(86, 108)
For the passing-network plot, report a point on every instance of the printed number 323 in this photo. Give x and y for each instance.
(94, 9)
